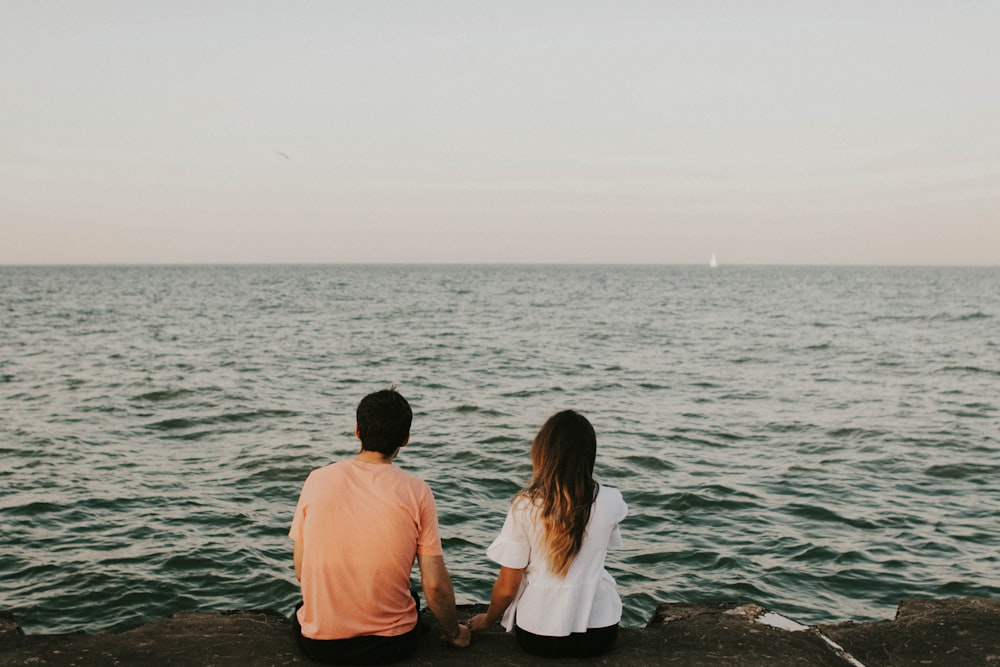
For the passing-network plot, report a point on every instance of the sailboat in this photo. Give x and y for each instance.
(713, 263)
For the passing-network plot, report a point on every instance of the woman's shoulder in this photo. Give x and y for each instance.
(522, 503)
(609, 492)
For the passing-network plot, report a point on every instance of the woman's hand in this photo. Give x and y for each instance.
(504, 591)
(478, 622)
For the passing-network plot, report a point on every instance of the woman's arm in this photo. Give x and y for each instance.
(504, 591)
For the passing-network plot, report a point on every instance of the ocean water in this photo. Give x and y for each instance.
(822, 441)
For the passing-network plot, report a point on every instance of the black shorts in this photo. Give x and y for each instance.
(593, 642)
(364, 650)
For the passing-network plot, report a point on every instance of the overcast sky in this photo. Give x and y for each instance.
(799, 132)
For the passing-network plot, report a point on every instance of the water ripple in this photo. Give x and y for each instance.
(822, 441)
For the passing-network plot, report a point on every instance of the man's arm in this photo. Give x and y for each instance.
(297, 558)
(440, 596)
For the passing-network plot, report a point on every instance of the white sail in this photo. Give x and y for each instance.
(713, 262)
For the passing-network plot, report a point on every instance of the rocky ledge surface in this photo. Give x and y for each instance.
(961, 632)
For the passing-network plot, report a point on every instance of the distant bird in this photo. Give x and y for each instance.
(284, 155)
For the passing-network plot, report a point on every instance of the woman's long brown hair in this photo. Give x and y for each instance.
(562, 488)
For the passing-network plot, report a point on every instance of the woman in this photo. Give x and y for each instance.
(553, 590)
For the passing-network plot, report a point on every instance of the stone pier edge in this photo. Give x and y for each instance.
(949, 632)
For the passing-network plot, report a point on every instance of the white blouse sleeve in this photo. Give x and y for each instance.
(511, 548)
(615, 540)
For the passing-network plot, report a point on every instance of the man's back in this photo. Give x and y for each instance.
(361, 525)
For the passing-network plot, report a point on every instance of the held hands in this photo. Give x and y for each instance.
(462, 639)
(478, 622)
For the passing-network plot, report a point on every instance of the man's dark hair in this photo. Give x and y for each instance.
(384, 419)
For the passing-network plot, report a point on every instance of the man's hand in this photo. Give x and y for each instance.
(441, 598)
(463, 639)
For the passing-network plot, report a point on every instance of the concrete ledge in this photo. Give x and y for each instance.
(948, 633)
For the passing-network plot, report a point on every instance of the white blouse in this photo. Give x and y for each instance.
(547, 604)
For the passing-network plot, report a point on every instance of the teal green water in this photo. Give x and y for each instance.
(822, 441)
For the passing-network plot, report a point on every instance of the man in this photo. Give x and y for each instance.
(358, 525)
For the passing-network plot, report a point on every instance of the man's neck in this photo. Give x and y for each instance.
(368, 456)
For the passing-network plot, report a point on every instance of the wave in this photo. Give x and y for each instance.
(965, 317)
(497, 439)
(825, 514)
(648, 463)
(975, 472)
(690, 500)
(529, 393)
(34, 509)
(475, 408)
(855, 433)
(161, 395)
(970, 369)
(652, 386)
(180, 423)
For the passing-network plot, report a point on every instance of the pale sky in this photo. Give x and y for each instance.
(798, 132)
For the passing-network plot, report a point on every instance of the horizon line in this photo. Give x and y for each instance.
(489, 263)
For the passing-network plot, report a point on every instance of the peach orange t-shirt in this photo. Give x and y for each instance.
(361, 525)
